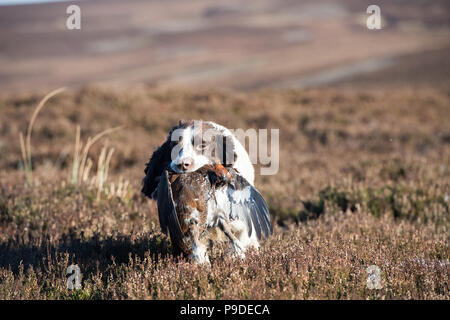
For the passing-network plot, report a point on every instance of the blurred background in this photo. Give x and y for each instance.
(233, 44)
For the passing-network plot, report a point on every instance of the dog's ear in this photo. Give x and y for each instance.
(158, 162)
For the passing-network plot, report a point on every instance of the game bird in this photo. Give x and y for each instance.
(191, 205)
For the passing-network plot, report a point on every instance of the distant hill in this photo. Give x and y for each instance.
(205, 44)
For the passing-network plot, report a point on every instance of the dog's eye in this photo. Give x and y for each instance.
(201, 146)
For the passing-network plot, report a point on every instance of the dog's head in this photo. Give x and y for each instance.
(189, 146)
(198, 143)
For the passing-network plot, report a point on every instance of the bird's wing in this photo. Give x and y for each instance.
(248, 205)
(168, 219)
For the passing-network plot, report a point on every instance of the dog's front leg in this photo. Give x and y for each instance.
(199, 250)
(237, 245)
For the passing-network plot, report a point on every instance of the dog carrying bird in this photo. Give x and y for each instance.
(194, 201)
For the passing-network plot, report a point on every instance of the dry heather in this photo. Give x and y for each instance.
(363, 180)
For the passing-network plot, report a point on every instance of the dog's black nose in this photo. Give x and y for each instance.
(185, 164)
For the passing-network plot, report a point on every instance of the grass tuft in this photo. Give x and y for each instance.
(25, 146)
